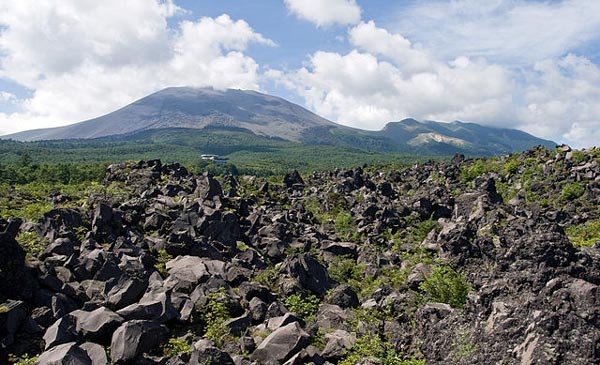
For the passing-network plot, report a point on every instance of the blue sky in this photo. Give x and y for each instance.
(532, 65)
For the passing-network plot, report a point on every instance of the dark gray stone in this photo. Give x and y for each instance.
(65, 354)
(98, 325)
(135, 338)
(281, 345)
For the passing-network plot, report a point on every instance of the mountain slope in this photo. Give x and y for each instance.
(184, 107)
(208, 110)
(470, 138)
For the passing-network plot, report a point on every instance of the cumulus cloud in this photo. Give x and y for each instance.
(516, 32)
(85, 58)
(386, 78)
(562, 100)
(325, 12)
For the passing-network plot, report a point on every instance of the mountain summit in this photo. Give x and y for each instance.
(196, 108)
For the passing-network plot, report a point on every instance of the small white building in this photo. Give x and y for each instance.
(215, 158)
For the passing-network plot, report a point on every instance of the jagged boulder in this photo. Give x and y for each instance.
(134, 338)
(65, 354)
(281, 345)
(206, 353)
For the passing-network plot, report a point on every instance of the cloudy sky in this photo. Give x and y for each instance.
(532, 65)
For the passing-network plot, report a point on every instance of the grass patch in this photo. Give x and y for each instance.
(584, 235)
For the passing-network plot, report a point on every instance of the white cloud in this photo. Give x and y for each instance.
(380, 42)
(6, 97)
(360, 89)
(516, 32)
(387, 78)
(562, 101)
(325, 12)
(86, 58)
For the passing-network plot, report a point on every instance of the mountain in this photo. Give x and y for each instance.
(250, 112)
(445, 138)
(195, 108)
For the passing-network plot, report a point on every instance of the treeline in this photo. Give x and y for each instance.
(25, 171)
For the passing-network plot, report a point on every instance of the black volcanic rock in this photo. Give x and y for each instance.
(465, 262)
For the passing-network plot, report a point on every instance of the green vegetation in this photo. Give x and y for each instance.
(373, 347)
(24, 359)
(161, 260)
(417, 233)
(470, 171)
(344, 224)
(31, 243)
(446, 285)
(248, 154)
(571, 191)
(306, 307)
(268, 277)
(175, 346)
(463, 347)
(578, 156)
(584, 235)
(213, 315)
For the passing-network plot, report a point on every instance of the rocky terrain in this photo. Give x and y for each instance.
(459, 262)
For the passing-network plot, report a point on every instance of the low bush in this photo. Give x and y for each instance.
(305, 307)
(584, 235)
(571, 191)
(446, 285)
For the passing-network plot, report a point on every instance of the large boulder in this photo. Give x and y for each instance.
(281, 345)
(97, 325)
(206, 353)
(126, 291)
(62, 331)
(135, 338)
(65, 354)
(186, 272)
(14, 278)
(155, 305)
(309, 274)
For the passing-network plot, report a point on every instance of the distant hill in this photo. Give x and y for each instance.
(272, 117)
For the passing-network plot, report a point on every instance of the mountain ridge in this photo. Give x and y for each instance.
(274, 117)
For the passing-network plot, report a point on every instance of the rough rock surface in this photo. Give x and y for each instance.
(460, 262)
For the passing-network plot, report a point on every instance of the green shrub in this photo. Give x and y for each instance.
(572, 191)
(373, 347)
(268, 277)
(445, 285)
(578, 157)
(344, 224)
(175, 346)
(463, 348)
(306, 307)
(31, 243)
(345, 270)
(213, 315)
(584, 235)
(475, 169)
(510, 167)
